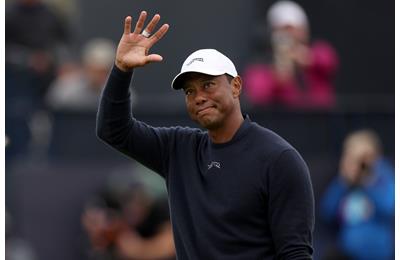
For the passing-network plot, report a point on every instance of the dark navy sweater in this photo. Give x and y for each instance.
(249, 198)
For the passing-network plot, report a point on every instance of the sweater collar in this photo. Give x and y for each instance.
(238, 135)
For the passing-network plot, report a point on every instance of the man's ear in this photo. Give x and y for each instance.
(236, 84)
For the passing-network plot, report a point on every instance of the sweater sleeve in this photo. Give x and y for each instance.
(117, 127)
(291, 207)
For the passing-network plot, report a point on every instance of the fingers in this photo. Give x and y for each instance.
(153, 58)
(140, 22)
(159, 34)
(127, 26)
(150, 27)
(152, 24)
(141, 38)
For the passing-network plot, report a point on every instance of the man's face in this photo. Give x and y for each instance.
(211, 100)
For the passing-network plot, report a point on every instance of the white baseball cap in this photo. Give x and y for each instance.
(206, 61)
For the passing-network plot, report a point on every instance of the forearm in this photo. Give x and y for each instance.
(118, 128)
(114, 113)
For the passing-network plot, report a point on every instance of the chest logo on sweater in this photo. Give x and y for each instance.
(214, 164)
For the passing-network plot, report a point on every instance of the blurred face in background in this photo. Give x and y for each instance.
(96, 74)
(297, 34)
(97, 57)
(358, 158)
(290, 19)
(353, 162)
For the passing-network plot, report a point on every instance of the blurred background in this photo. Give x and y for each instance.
(318, 73)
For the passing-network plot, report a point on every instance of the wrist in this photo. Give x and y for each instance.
(122, 67)
(125, 75)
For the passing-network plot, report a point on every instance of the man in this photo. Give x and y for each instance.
(237, 191)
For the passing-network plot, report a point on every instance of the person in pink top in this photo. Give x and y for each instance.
(301, 73)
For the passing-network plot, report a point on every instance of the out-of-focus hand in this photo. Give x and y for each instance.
(95, 222)
(102, 230)
(354, 165)
(133, 48)
(129, 244)
(301, 55)
(350, 176)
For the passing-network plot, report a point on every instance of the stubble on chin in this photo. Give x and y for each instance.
(209, 123)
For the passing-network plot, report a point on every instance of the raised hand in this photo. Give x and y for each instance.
(133, 48)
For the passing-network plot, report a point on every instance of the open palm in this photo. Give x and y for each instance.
(133, 48)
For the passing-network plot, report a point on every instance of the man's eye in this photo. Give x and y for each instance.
(208, 85)
(188, 92)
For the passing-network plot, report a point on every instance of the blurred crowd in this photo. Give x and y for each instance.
(45, 73)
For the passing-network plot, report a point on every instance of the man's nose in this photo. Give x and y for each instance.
(200, 98)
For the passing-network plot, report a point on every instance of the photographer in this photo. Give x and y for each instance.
(300, 71)
(128, 224)
(359, 203)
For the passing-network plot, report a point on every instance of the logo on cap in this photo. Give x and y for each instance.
(193, 60)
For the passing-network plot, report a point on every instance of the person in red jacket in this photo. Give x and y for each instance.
(301, 72)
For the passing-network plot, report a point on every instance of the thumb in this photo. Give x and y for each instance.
(154, 58)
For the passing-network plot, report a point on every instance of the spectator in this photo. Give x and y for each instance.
(79, 89)
(360, 201)
(301, 72)
(36, 39)
(128, 223)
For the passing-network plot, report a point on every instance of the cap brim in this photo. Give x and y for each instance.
(177, 82)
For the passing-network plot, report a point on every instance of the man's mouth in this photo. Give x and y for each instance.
(204, 110)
